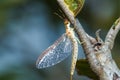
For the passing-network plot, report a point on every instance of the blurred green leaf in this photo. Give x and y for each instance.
(3, 17)
(5, 6)
(75, 5)
(10, 3)
(83, 68)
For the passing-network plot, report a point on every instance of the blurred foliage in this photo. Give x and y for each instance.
(10, 3)
(83, 68)
(5, 6)
(101, 14)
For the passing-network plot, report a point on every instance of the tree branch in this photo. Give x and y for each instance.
(83, 37)
(112, 34)
(97, 52)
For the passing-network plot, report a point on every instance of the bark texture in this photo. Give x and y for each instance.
(97, 51)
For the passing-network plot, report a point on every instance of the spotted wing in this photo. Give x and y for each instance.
(54, 54)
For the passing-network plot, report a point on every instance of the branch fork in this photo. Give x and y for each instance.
(97, 51)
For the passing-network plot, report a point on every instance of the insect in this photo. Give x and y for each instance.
(75, 6)
(60, 50)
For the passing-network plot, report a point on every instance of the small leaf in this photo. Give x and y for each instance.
(74, 6)
(69, 1)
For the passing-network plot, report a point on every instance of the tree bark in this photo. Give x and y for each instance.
(97, 51)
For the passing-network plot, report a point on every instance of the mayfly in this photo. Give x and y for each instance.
(60, 50)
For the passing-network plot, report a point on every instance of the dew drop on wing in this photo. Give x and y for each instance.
(56, 53)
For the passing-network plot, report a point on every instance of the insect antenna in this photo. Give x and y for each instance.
(61, 14)
(61, 17)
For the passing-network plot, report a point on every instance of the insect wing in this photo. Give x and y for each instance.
(54, 54)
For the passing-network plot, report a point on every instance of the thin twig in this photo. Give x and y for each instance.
(109, 41)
